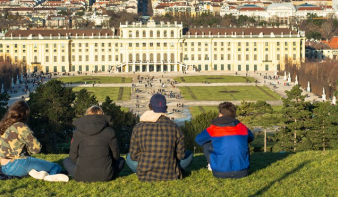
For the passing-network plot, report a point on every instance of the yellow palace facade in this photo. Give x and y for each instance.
(152, 47)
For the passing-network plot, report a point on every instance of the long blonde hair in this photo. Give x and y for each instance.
(17, 112)
(94, 110)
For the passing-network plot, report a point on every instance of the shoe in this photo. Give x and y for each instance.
(57, 178)
(38, 175)
(209, 167)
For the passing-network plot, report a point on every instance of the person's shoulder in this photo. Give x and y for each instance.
(166, 119)
(140, 124)
(19, 126)
(240, 123)
(108, 130)
(168, 122)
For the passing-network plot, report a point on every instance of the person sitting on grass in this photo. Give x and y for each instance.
(17, 143)
(225, 144)
(157, 150)
(94, 152)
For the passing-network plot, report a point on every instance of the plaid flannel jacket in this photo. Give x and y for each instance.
(158, 147)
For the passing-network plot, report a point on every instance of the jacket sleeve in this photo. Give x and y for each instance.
(134, 150)
(180, 148)
(74, 147)
(114, 145)
(203, 137)
(250, 136)
(32, 145)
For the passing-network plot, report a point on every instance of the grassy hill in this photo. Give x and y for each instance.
(311, 173)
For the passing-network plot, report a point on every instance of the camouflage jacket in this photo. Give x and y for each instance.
(18, 142)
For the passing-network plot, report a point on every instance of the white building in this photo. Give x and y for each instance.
(152, 47)
(281, 11)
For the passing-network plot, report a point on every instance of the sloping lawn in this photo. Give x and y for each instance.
(214, 79)
(311, 173)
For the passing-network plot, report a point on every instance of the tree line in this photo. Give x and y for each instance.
(320, 75)
(9, 71)
(319, 27)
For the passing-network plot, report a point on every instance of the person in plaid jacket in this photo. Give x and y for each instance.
(157, 150)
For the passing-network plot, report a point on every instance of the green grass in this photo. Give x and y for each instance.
(277, 108)
(126, 109)
(196, 110)
(96, 79)
(230, 93)
(310, 173)
(102, 92)
(214, 79)
(259, 140)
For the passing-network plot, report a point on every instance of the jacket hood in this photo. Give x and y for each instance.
(92, 124)
(225, 121)
(150, 116)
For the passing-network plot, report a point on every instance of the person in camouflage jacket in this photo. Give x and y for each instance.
(17, 143)
(157, 150)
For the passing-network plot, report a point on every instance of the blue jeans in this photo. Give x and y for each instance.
(184, 163)
(21, 167)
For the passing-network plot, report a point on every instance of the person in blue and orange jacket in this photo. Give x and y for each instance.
(225, 144)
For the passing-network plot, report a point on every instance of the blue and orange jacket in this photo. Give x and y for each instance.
(230, 140)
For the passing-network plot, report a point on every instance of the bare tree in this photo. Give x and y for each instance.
(327, 29)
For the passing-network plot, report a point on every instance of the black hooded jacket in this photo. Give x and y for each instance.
(94, 148)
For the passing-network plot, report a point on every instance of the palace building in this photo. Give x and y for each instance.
(152, 47)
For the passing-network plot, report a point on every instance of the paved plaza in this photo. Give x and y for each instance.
(141, 94)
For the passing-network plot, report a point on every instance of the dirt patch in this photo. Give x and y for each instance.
(228, 91)
(214, 78)
(89, 79)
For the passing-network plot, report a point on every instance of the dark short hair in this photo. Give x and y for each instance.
(227, 109)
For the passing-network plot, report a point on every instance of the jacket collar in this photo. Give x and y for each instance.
(225, 121)
(150, 116)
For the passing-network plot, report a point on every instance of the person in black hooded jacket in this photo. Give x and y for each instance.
(94, 152)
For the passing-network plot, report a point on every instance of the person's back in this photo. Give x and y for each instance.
(157, 150)
(159, 154)
(90, 148)
(94, 149)
(225, 145)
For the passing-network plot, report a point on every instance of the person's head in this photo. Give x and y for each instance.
(94, 110)
(158, 103)
(17, 112)
(227, 109)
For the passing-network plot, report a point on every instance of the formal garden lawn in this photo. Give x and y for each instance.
(230, 93)
(309, 173)
(214, 79)
(102, 92)
(95, 79)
